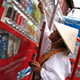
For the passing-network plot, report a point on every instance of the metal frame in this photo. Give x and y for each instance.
(73, 77)
(75, 65)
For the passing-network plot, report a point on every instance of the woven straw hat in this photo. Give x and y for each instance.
(68, 35)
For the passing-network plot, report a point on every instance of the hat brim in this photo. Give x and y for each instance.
(68, 35)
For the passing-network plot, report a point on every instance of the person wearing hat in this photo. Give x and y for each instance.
(56, 64)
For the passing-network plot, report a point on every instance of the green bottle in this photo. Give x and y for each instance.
(4, 3)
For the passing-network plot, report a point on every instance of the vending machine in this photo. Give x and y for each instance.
(18, 44)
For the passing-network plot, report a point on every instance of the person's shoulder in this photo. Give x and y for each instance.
(62, 56)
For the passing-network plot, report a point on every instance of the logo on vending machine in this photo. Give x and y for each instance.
(23, 73)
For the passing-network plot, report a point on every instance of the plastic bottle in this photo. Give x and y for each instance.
(4, 3)
(4, 45)
(29, 7)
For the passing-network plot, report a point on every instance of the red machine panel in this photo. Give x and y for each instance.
(16, 66)
(20, 61)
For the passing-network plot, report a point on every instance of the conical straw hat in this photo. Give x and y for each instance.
(68, 35)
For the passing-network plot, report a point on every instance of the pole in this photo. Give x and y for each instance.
(40, 42)
(38, 52)
(53, 15)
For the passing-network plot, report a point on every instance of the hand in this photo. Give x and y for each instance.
(36, 68)
(41, 7)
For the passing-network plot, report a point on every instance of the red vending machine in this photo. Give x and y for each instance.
(18, 44)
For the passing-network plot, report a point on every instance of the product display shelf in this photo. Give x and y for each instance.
(16, 27)
(16, 30)
(18, 63)
(24, 12)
